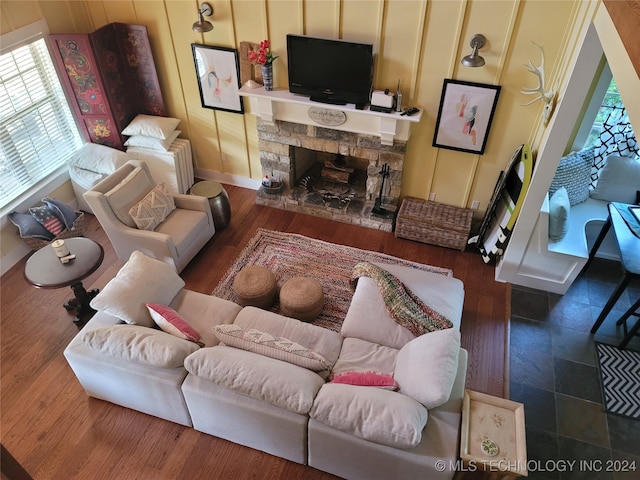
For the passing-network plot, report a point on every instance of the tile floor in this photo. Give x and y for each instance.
(554, 372)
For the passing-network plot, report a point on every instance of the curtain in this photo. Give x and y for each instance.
(617, 137)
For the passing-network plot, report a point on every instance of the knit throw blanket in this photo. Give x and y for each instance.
(402, 304)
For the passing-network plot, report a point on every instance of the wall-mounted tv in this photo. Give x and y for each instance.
(330, 71)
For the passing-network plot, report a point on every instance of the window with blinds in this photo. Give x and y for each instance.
(37, 131)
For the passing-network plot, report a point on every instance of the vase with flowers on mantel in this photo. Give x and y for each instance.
(267, 76)
(265, 58)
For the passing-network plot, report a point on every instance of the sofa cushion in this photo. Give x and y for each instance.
(278, 383)
(143, 345)
(426, 367)
(98, 158)
(127, 193)
(320, 340)
(149, 212)
(619, 180)
(152, 143)
(368, 318)
(151, 126)
(266, 344)
(559, 208)
(172, 323)
(203, 311)
(184, 227)
(362, 356)
(140, 281)
(375, 414)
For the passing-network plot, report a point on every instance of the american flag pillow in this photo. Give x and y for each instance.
(45, 216)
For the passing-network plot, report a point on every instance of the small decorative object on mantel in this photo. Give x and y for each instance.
(264, 57)
(324, 116)
(547, 96)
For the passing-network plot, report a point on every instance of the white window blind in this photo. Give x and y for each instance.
(37, 131)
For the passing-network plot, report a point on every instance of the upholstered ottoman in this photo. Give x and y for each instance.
(301, 298)
(255, 286)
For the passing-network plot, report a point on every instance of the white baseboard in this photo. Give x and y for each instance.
(13, 257)
(227, 178)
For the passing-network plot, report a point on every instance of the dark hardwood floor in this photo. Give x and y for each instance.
(56, 432)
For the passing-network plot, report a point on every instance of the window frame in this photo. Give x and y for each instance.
(58, 177)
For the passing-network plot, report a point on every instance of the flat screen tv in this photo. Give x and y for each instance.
(330, 71)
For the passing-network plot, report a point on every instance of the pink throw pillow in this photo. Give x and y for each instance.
(172, 323)
(366, 379)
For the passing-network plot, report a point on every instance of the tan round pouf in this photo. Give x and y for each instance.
(301, 298)
(255, 286)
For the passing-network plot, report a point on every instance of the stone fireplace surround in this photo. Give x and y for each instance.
(279, 145)
(296, 136)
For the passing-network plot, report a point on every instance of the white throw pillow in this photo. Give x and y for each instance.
(619, 180)
(146, 346)
(426, 367)
(140, 281)
(375, 414)
(153, 143)
(152, 210)
(559, 208)
(98, 158)
(151, 126)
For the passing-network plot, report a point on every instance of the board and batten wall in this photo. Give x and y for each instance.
(419, 42)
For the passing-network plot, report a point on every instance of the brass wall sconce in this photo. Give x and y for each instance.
(475, 60)
(202, 25)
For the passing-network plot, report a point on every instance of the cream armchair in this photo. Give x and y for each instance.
(175, 240)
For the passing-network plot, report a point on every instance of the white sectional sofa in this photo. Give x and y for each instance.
(247, 394)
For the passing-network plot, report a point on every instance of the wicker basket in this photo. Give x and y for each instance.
(77, 230)
(434, 223)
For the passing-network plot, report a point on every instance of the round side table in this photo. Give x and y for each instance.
(44, 270)
(218, 199)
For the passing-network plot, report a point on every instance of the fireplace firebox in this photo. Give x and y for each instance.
(331, 173)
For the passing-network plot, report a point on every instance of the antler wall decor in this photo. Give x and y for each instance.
(547, 96)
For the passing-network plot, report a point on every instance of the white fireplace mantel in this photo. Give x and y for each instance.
(280, 104)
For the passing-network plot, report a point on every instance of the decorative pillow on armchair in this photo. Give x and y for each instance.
(153, 208)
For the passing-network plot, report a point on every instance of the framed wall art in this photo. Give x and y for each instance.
(465, 115)
(218, 75)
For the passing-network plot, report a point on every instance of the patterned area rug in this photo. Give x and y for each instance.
(620, 379)
(290, 255)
